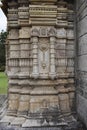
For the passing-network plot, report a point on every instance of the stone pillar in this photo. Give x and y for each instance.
(52, 58)
(52, 34)
(35, 72)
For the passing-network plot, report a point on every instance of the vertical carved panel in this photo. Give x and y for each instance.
(43, 54)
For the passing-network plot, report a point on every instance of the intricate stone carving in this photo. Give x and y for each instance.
(44, 45)
(40, 60)
(13, 34)
(43, 32)
(35, 71)
(43, 57)
(35, 32)
(52, 32)
(24, 32)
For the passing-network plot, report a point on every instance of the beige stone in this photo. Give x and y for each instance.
(18, 121)
(64, 102)
(40, 59)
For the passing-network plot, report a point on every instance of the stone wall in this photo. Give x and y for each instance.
(82, 59)
(40, 59)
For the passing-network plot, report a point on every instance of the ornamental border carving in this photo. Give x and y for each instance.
(43, 32)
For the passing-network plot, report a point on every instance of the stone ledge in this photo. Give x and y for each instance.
(38, 128)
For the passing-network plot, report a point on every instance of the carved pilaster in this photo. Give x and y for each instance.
(13, 56)
(35, 70)
(52, 73)
(52, 34)
(24, 61)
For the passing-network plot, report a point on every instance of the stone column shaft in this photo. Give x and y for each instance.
(35, 72)
(52, 57)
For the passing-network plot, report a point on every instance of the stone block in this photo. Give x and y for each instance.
(7, 120)
(37, 103)
(61, 62)
(14, 47)
(70, 47)
(61, 33)
(70, 62)
(14, 54)
(61, 41)
(70, 54)
(82, 62)
(18, 121)
(23, 103)
(61, 69)
(13, 105)
(24, 32)
(24, 46)
(82, 108)
(60, 54)
(24, 54)
(82, 46)
(30, 123)
(70, 34)
(60, 46)
(64, 102)
(13, 102)
(72, 100)
(82, 27)
(80, 3)
(13, 34)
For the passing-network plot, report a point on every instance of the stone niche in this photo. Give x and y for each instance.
(40, 59)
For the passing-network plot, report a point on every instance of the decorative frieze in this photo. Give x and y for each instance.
(62, 14)
(23, 13)
(43, 2)
(23, 3)
(13, 14)
(24, 32)
(40, 13)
